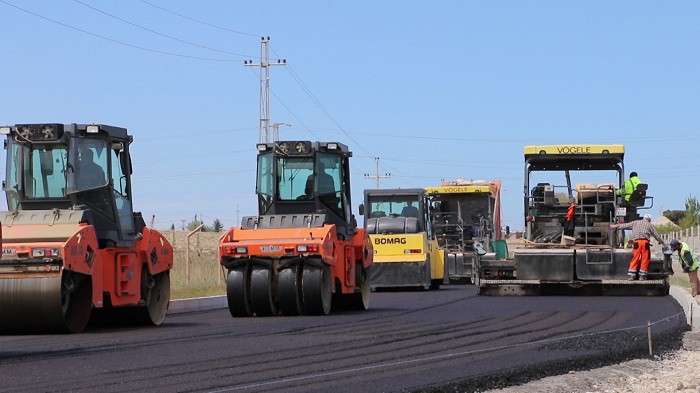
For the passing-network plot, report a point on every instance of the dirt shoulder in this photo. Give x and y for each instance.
(673, 372)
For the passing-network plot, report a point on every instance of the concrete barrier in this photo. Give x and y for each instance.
(179, 306)
(690, 306)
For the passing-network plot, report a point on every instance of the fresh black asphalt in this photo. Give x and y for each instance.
(446, 340)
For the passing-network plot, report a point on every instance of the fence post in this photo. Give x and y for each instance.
(187, 253)
(651, 352)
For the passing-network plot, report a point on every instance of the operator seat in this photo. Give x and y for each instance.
(377, 214)
(410, 211)
(638, 196)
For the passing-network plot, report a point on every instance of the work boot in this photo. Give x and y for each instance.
(642, 275)
(631, 277)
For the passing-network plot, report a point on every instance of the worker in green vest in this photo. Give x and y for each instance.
(630, 185)
(689, 263)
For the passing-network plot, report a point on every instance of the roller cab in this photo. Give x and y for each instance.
(71, 240)
(303, 253)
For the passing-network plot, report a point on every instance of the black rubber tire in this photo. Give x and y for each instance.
(152, 309)
(363, 279)
(359, 300)
(76, 304)
(238, 291)
(316, 290)
(289, 290)
(157, 298)
(435, 284)
(262, 291)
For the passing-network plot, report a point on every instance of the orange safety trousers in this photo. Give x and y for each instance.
(641, 252)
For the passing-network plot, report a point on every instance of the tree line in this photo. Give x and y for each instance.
(682, 219)
(216, 225)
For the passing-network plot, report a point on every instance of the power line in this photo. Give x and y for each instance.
(116, 41)
(198, 134)
(294, 74)
(621, 139)
(377, 176)
(159, 33)
(404, 175)
(288, 109)
(264, 66)
(171, 158)
(451, 163)
(199, 21)
(187, 175)
(301, 83)
(308, 92)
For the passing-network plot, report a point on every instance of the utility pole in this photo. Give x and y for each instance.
(153, 221)
(264, 64)
(183, 224)
(276, 130)
(377, 176)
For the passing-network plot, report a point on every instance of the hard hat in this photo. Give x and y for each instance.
(674, 243)
(647, 217)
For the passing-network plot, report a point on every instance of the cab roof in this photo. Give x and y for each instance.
(574, 157)
(53, 132)
(303, 148)
(395, 191)
(566, 150)
(459, 189)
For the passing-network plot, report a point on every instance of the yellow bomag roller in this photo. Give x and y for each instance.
(71, 241)
(400, 228)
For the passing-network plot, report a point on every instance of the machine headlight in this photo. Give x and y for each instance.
(237, 250)
(261, 147)
(5, 130)
(46, 252)
(307, 248)
(92, 129)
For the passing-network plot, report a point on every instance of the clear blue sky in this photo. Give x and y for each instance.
(438, 90)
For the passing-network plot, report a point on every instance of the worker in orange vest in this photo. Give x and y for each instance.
(642, 230)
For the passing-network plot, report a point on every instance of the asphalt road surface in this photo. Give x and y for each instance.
(449, 339)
